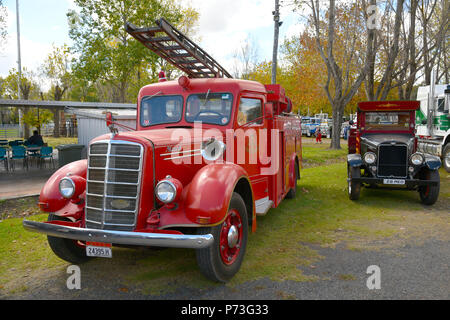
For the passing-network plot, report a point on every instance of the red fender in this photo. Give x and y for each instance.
(51, 200)
(209, 194)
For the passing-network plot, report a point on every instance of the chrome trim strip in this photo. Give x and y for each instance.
(181, 151)
(185, 156)
(121, 237)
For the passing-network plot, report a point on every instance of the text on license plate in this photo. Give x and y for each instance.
(394, 181)
(98, 249)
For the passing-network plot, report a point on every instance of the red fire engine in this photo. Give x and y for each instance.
(209, 154)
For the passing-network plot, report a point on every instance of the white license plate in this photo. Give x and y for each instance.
(394, 181)
(98, 249)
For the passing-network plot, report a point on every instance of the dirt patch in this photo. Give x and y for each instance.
(19, 208)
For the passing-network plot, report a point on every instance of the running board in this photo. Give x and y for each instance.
(262, 206)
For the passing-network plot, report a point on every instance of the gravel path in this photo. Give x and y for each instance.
(419, 271)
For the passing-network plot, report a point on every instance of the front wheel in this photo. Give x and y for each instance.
(67, 249)
(429, 194)
(354, 188)
(223, 259)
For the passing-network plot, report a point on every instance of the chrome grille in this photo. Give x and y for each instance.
(113, 182)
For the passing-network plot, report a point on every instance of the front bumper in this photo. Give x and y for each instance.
(121, 237)
(408, 182)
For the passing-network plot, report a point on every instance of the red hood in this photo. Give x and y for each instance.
(160, 137)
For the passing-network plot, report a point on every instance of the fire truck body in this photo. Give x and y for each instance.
(114, 196)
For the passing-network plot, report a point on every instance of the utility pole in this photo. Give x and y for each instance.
(19, 63)
(277, 24)
(19, 66)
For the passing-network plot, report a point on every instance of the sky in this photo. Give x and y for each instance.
(223, 26)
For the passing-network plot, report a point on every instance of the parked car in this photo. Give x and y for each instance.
(383, 152)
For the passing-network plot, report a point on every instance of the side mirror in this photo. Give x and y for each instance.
(110, 123)
(268, 109)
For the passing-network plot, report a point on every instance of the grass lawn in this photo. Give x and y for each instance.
(321, 214)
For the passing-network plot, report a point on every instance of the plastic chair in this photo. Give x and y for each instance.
(19, 152)
(33, 154)
(4, 157)
(46, 153)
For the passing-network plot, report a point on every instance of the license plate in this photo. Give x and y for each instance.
(394, 181)
(98, 249)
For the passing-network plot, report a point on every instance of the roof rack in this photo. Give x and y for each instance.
(173, 46)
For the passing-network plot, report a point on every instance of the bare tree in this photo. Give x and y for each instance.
(344, 76)
(245, 58)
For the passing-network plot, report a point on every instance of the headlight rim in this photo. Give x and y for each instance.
(219, 154)
(368, 154)
(73, 187)
(172, 186)
(422, 159)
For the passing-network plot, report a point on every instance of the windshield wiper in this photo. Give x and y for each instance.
(182, 126)
(206, 99)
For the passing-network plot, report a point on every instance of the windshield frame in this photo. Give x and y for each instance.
(209, 94)
(150, 97)
(380, 127)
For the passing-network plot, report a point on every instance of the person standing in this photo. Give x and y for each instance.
(318, 136)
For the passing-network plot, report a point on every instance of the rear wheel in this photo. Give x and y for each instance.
(223, 259)
(293, 191)
(67, 249)
(354, 188)
(429, 194)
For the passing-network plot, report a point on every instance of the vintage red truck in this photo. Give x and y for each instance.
(383, 152)
(207, 157)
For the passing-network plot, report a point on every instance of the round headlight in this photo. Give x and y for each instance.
(370, 158)
(416, 159)
(166, 191)
(212, 149)
(67, 187)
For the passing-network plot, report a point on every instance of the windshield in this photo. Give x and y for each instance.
(161, 109)
(213, 108)
(387, 121)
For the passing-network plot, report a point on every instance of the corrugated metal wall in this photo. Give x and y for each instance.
(89, 128)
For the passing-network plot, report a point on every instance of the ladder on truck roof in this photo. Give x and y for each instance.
(173, 46)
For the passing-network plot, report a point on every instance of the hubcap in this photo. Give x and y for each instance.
(231, 237)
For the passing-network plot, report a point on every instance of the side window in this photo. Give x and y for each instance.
(249, 109)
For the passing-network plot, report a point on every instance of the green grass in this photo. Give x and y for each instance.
(320, 154)
(321, 214)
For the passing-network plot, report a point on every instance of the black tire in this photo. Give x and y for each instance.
(354, 188)
(293, 191)
(446, 157)
(66, 249)
(430, 194)
(211, 260)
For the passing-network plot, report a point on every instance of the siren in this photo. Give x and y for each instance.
(184, 82)
(162, 76)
